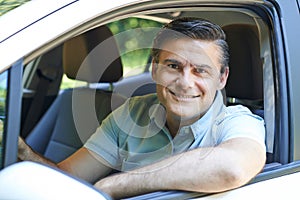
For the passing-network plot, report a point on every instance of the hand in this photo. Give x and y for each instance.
(23, 149)
(25, 152)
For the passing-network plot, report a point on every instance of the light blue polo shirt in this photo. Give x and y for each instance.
(135, 134)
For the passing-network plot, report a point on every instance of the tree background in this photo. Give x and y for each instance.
(7, 5)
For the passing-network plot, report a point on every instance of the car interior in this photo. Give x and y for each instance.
(56, 122)
(77, 112)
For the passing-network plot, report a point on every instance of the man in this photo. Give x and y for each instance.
(183, 138)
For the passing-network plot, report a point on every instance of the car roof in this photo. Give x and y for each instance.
(42, 22)
(20, 17)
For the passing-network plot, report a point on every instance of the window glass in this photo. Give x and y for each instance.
(70, 83)
(3, 92)
(134, 38)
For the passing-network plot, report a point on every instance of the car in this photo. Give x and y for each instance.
(66, 64)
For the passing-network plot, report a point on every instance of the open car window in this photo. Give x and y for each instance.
(250, 82)
(251, 67)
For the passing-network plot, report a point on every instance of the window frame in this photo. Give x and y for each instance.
(13, 113)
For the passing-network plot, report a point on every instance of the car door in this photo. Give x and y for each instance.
(277, 59)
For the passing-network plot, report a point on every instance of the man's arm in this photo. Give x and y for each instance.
(83, 163)
(224, 167)
(86, 165)
(25, 152)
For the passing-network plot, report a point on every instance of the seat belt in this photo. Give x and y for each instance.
(34, 112)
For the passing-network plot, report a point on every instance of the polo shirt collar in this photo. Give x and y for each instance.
(200, 126)
(158, 116)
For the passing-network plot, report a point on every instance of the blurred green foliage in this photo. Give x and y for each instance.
(7, 5)
(136, 39)
(134, 45)
(3, 93)
(132, 35)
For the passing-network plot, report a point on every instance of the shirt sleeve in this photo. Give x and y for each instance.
(240, 122)
(105, 141)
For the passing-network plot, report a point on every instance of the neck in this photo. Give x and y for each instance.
(174, 123)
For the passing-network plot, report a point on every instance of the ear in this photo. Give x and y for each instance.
(223, 78)
(154, 69)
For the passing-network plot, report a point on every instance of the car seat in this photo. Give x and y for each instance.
(43, 88)
(92, 57)
(245, 81)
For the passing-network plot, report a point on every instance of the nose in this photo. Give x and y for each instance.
(185, 78)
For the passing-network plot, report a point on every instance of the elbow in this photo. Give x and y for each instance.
(229, 178)
(233, 178)
(221, 180)
(237, 176)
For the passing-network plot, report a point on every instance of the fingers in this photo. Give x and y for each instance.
(23, 148)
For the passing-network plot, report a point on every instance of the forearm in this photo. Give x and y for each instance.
(203, 170)
(181, 172)
(82, 164)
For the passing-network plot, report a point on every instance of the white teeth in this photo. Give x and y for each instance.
(184, 96)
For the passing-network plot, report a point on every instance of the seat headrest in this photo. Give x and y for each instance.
(93, 57)
(245, 79)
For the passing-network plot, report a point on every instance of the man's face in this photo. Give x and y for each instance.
(187, 76)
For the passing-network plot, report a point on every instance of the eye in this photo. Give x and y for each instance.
(173, 66)
(203, 69)
(200, 70)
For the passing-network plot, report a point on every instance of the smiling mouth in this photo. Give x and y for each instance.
(183, 97)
